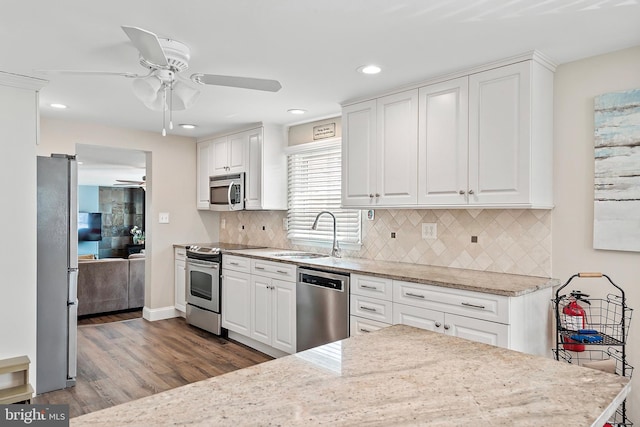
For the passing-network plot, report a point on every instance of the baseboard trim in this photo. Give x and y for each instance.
(257, 345)
(153, 314)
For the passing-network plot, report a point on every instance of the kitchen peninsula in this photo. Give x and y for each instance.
(399, 375)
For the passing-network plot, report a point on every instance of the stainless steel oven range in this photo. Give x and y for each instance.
(203, 284)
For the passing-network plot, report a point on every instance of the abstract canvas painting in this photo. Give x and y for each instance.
(617, 171)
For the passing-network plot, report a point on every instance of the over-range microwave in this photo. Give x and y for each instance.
(226, 192)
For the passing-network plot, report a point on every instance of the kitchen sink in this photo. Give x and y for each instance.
(299, 255)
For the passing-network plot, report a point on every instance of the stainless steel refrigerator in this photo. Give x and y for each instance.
(57, 274)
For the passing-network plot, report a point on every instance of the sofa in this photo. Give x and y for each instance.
(110, 284)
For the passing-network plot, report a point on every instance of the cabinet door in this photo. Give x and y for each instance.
(422, 318)
(499, 135)
(236, 302)
(261, 309)
(358, 153)
(283, 317)
(443, 143)
(360, 326)
(253, 178)
(179, 283)
(237, 152)
(477, 330)
(203, 155)
(219, 156)
(397, 149)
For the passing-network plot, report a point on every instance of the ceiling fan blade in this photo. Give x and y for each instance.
(147, 44)
(126, 181)
(90, 73)
(234, 81)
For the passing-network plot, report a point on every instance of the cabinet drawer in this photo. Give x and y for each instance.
(360, 326)
(275, 270)
(236, 263)
(494, 308)
(180, 253)
(370, 286)
(372, 308)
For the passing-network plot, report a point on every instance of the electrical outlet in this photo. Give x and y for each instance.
(429, 230)
(163, 218)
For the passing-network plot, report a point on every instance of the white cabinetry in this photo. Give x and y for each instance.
(203, 172)
(230, 154)
(519, 323)
(371, 304)
(259, 303)
(266, 178)
(179, 279)
(379, 149)
(485, 139)
(236, 294)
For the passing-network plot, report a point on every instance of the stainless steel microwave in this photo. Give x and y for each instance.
(226, 192)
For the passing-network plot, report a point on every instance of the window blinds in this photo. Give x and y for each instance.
(315, 185)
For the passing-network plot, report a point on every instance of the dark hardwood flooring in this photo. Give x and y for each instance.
(123, 360)
(109, 317)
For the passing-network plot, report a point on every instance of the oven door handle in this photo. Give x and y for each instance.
(200, 263)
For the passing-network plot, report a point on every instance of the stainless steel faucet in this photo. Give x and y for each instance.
(335, 251)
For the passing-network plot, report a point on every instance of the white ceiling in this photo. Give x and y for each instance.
(312, 47)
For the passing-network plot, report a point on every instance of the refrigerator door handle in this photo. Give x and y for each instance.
(72, 296)
(72, 353)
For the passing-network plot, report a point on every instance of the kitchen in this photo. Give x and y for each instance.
(575, 85)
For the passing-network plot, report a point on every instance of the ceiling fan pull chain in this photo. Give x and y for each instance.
(171, 107)
(164, 111)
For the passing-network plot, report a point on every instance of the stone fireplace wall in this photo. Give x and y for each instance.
(121, 208)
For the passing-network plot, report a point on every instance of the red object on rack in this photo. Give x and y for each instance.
(575, 317)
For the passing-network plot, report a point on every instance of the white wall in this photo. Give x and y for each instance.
(576, 85)
(18, 121)
(171, 187)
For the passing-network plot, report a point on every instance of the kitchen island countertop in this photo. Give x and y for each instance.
(396, 376)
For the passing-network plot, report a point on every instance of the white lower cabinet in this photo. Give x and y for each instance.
(179, 279)
(450, 324)
(259, 303)
(359, 325)
(370, 304)
(273, 309)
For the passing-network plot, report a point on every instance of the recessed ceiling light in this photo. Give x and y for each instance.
(369, 69)
(296, 111)
(187, 126)
(59, 106)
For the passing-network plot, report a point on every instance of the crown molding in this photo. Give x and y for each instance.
(21, 82)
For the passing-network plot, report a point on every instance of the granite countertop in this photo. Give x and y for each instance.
(398, 375)
(473, 280)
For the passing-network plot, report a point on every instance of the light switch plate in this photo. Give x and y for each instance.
(163, 218)
(429, 230)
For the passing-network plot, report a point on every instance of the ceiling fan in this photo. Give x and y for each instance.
(163, 88)
(126, 183)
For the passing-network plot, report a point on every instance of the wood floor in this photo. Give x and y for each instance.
(125, 360)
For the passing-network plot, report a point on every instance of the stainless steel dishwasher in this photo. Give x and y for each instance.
(322, 308)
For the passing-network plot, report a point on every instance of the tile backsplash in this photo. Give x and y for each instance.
(516, 241)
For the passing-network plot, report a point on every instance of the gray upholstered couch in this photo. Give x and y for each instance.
(110, 284)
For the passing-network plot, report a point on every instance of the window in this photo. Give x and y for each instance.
(314, 175)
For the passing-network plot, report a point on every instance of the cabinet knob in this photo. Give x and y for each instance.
(447, 326)
(462, 192)
(377, 195)
(371, 196)
(470, 191)
(438, 324)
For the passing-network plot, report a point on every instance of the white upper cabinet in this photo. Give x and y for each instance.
(380, 140)
(485, 139)
(203, 155)
(266, 178)
(230, 154)
(443, 142)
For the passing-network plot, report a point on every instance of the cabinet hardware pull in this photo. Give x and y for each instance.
(466, 304)
(438, 324)
(371, 196)
(363, 307)
(377, 195)
(282, 271)
(409, 294)
(259, 268)
(368, 287)
(234, 263)
(364, 330)
(462, 192)
(446, 326)
(471, 192)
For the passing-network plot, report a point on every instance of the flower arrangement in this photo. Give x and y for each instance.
(138, 235)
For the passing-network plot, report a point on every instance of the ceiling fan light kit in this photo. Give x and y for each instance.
(163, 89)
